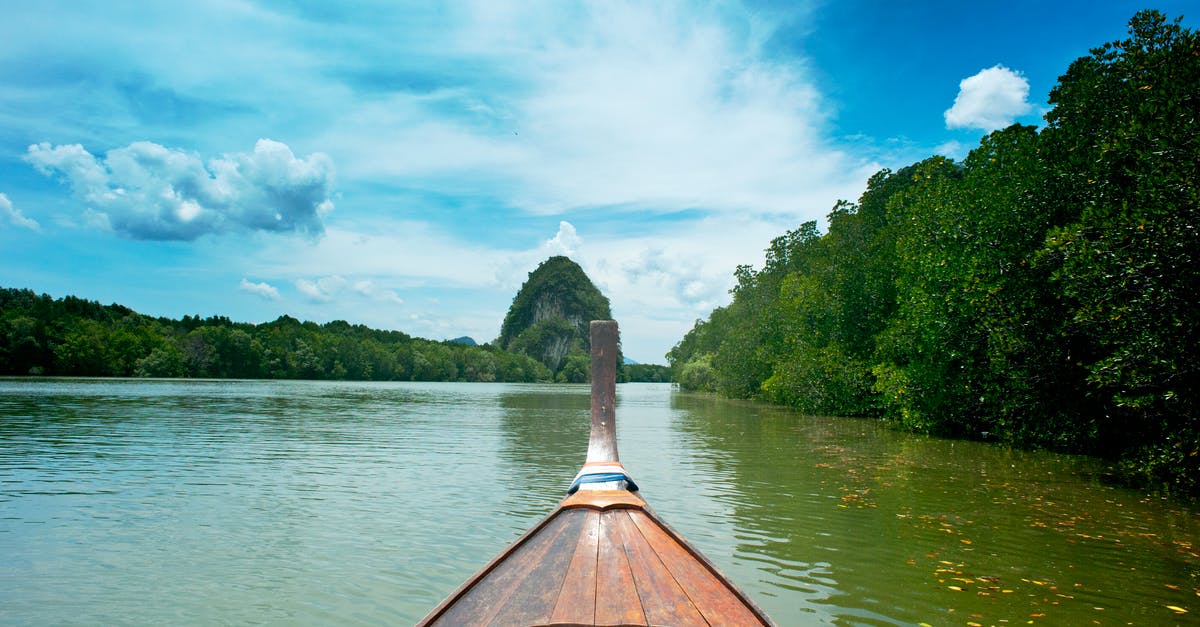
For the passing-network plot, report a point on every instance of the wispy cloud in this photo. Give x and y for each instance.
(147, 191)
(322, 290)
(989, 100)
(340, 290)
(15, 217)
(368, 289)
(264, 289)
(632, 106)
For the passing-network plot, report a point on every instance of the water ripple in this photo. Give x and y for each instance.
(173, 502)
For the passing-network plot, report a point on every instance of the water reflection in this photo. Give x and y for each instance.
(167, 502)
(545, 434)
(854, 523)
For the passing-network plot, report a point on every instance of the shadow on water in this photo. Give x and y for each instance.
(850, 522)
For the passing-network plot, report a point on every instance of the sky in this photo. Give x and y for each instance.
(406, 165)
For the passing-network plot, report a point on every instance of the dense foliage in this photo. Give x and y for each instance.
(1043, 292)
(550, 318)
(72, 336)
(645, 373)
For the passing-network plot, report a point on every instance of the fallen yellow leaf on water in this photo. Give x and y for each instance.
(955, 588)
(1177, 609)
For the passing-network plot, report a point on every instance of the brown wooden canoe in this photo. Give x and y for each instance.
(602, 557)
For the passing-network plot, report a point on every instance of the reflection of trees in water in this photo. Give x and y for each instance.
(837, 511)
(850, 517)
(544, 434)
(828, 508)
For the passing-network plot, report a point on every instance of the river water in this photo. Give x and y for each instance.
(249, 502)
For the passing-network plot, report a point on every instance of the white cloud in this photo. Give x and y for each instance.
(989, 100)
(566, 240)
(329, 289)
(400, 252)
(661, 282)
(147, 191)
(659, 107)
(15, 216)
(264, 290)
(323, 289)
(593, 113)
(368, 289)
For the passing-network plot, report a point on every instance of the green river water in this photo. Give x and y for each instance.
(139, 502)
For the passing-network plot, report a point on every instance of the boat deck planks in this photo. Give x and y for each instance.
(717, 604)
(590, 566)
(577, 601)
(618, 601)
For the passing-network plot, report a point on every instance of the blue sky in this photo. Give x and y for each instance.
(405, 165)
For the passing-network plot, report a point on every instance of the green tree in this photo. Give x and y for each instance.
(478, 365)
(22, 345)
(576, 369)
(81, 351)
(164, 361)
(1124, 143)
(961, 356)
(697, 375)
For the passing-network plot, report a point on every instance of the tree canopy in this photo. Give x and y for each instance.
(75, 337)
(1044, 291)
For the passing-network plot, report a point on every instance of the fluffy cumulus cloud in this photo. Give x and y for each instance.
(566, 241)
(148, 191)
(15, 217)
(265, 290)
(989, 100)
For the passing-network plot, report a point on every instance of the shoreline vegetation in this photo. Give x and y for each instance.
(1044, 292)
(70, 336)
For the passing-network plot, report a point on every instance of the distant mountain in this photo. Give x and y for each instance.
(550, 316)
(464, 340)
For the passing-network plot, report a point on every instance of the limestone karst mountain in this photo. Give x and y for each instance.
(549, 318)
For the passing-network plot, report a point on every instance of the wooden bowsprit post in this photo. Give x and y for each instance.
(602, 557)
(602, 445)
(602, 470)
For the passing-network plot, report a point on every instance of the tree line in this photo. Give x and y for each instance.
(40, 335)
(1043, 292)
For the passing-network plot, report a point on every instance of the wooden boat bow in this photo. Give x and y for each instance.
(602, 557)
